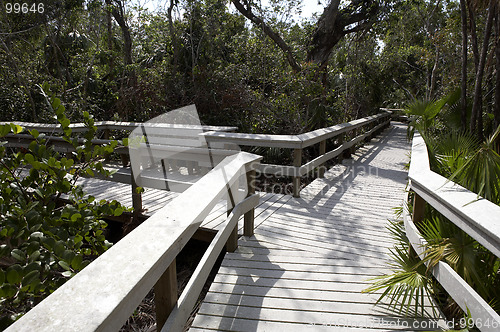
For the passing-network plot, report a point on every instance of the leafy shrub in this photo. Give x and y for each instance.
(49, 228)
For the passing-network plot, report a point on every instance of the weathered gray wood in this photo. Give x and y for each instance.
(99, 298)
(249, 219)
(464, 295)
(297, 162)
(189, 296)
(322, 151)
(166, 294)
(310, 259)
(477, 217)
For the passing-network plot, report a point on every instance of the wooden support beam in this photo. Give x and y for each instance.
(417, 216)
(136, 196)
(418, 209)
(249, 218)
(322, 151)
(297, 162)
(165, 295)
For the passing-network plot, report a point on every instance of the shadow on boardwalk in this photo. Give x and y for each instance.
(308, 262)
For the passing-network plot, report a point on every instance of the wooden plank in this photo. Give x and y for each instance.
(100, 298)
(299, 316)
(463, 294)
(192, 290)
(478, 218)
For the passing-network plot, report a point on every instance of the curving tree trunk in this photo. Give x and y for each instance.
(339, 19)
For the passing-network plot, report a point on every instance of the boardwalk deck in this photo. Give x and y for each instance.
(311, 257)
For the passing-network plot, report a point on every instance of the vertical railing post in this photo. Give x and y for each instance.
(322, 151)
(136, 196)
(353, 148)
(297, 162)
(418, 209)
(417, 216)
(232, 241)
(165, 295)
(249, 217)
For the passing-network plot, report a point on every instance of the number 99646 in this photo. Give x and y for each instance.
(24, 8)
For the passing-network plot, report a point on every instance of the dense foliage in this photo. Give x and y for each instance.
(49, 229)
(254, 64)
(120, 61)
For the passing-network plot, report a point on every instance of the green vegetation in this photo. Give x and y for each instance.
(49, 230)
(474, 165)
(246, 64)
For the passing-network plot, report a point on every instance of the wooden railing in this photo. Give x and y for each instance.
(479, 218)
(299, 142)
(216, 135)
(102, 296)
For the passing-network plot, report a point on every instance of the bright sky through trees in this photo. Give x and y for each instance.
(309, 7)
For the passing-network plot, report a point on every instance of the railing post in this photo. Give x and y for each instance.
(418, 209)
(165, 295)
(232, 241)
(249, 218)
(297, 162)
(322, 151)
(136, 196)
(417, 216)
(353, 148)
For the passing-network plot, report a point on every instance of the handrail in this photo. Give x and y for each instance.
(479, 218)
(103, 295)
(214, 135)
(299, 142)
(111, 125)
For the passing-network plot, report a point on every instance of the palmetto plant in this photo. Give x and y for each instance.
(408, 286)
(475, 165)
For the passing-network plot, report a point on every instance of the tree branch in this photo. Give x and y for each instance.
(246, 10)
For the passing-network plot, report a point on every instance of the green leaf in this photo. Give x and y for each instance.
(65, 123)
(2, 277)
(31, 278)
(76, 216)
(64, 265)
(118, 212)
(4, 249)
(34, 133)
(29, 158)
(34, 256)
(4, 130)
(18, 255)
(13, 276)
(8, 290)
(76, 263)
(16, 129)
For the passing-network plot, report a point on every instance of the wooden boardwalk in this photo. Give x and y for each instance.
(311, 257)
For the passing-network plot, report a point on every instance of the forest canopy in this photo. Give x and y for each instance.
(253, 64)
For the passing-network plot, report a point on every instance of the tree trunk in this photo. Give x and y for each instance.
(246, 10)
(463, 83)
(173, 35)
(335, 22)
(476, 116)
(497, 56)
(434, 75)
(473, 35)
